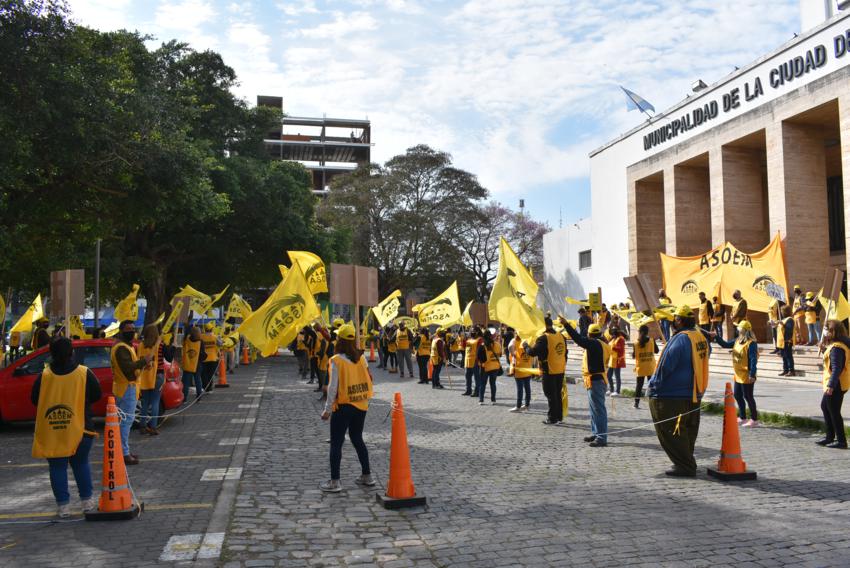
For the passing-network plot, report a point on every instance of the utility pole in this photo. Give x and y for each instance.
(96, 287)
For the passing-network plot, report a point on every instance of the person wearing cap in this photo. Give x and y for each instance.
(719, 316)
(706, 312)
(40, 336)
(151, 379)
(403, 342)
(65, 391)
(299, 349)
(439, 356)
(470, 362)
(785, 341)
(584, 321)
(836, 383)
(349, 391)
(798, 308)
(645, 349)
(550, 348)
(812, 316)
(745, 355)
(594, 366)
(739, 310)
(664, 301)
(210, 344)
(422, 343)
(675, 392)
(617, 342)
(126, 365)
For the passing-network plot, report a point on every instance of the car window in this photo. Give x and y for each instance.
(35, 365)
(93, 357)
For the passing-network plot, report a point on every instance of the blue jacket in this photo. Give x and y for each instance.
(674, 374)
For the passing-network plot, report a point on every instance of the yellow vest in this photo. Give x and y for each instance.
(614, 360)
(147, 376)
(492, 363)
(703, 313)
(402, 339)
(585, 372)
(522, 360)
(210, 346)
(811, 311)
(391, 347)
(322, 345)
(717, 318)
(780, 334)
(355, 384)
(435, 352)
(741, 362)
(471, 353)
(699, 358)
(15, 339)
(556, 354)
(120, 382)
(456, 343)
(191, 352)
(844, 378)
(424, 346)
(738, 319)
(299, 342)
(644, 358)
(60, 418)
(773, 310)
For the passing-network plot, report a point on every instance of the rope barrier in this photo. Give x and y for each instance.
(122, 415)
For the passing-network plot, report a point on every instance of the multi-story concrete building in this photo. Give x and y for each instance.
(327, 147)
(764, 150)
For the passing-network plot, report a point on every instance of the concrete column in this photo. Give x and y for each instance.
(646, 226)
(717, 194)
(844, 130)
(744, 219)
(796, 182)
(687, 202)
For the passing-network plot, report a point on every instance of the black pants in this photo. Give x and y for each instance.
(831, 407)
(422, 363)
(678, 445)
(207, 372)
(351, 419)
(392, 360)
(552, 385)
(435, 377)
(472, 380)
(744, 397)
(639, 388)
(314, 368)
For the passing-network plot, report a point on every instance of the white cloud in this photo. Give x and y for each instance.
(107, 15)
(297, 8)
(341, 25)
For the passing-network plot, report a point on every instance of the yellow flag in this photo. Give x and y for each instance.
(76, 328)
(33, 314)
(326, 316)
(2, 309)
(364, 325)
(290, 307)
(283, 270)
(444, 310)
(466, 317)
(198, 300)
(172, 317)
(408, 321)
(575, 302)
(387, 309)
(238, 308)
(112, 329)
(128, 309)
(522, 280)
(313, 269)
(839, 310)
(214, 300)
(507, 304)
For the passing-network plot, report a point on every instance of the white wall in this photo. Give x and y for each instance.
(560, 265)
(815, 12)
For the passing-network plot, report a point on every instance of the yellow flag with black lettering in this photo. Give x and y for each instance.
(387, 309)
(444, 310)
(172, 317)
(509, 305)
(34, 313)
(290, 307)
(313, 269)
(2, 309)
(238, 308)
(197, 299)
(128, 308)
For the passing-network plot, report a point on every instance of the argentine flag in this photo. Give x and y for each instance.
(635, 101)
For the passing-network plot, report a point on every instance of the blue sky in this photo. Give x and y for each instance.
(518, 91)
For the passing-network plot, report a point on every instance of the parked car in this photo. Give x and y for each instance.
(17, 379)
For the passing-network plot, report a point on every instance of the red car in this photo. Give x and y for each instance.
(17, 379)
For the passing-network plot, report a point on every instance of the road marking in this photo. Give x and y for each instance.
(256, 388)
(222, 473)
(148, 509)
(252, 395)
(159, 459)
(249, 406)
(243, 420)
(234, 441)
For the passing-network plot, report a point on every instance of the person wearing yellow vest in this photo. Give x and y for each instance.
(422, 343)
(210, 343)
(664, 301)
(739, 311)
(550, 348)
(617, 360)
(719, 316)
(439, 357)
(151, 379)
(675, 392)
(836, 382)
(299, 348)
(798, 309)
(349, 391)
(773, 317)
(785, 341)
(392, 350)
(403, 343)
(489, 352)
(812, 318)
(706, 312)
(456, 349)
(125, 371)
(470, 362)
(594, 366)
(190, 361)
(40, 336)
(63, 394)
(324, 351)
(745, 355)
(523, 371)
(645, 349)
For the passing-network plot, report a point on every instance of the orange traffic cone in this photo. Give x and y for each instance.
(246, 359)
(400, 490)
(117, 500)
(372, 352)
(730, 466)
(222, 374)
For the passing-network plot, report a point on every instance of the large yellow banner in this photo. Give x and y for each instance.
(759, 276)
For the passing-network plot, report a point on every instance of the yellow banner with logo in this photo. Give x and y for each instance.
(290, 307)
(76, 329)
(238, 308)
(128, 308)
(313, 269)
(387, 309)
(759, 276)
(522, 279)
(508, 304)
(172, 317)
(444, 310)
(198, 301)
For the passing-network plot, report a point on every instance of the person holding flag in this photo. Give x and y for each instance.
(594, 366)
(489, 352)
(210, 343)
(190, 362)
(473, 370)
(550, 348)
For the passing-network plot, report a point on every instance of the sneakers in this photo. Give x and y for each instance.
(480, 403)
(837, 446)
(597, 443)
(515, 409)
(615, 395)
(637, 403)
(740, 421)
(549, 422)
(676, 472)
(89, 505)
(64, 511)
(608, 393)
(824, 442)
(365, 480)
(750, 424)
(492, 403)
(524, 407)
(331, 486)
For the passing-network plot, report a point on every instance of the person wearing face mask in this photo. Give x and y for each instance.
(191, 359)
(836, 383)
(471, 362)
(125, 371)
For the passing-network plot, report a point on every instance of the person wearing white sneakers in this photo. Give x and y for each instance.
(745, 355)
(349, 392)
(523, 371)
(64, 432)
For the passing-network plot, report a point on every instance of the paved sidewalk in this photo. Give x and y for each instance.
(179, 480)
(505, 490)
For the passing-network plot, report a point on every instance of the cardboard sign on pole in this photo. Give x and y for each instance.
(640, 290)
(355, 286)
(594, 301)
(479, 314)
(832, 281)
(67, 294)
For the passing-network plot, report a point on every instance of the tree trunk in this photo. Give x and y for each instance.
(155, 293)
